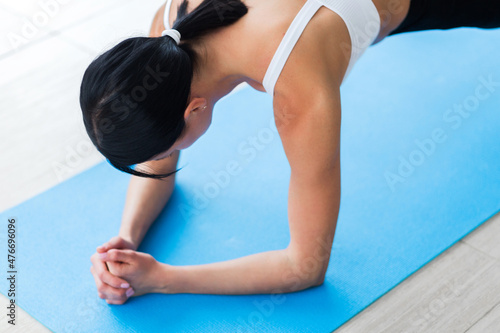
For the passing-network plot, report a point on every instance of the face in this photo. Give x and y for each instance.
(197, 123)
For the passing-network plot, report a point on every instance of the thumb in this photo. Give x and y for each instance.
(114, 243)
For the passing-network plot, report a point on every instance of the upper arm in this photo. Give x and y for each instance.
(309, 127)
(158, 25)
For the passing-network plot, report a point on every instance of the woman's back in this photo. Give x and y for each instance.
(254, 39)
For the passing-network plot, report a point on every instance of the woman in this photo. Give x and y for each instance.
(148, 98)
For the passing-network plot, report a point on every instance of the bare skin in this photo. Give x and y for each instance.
(308, 117)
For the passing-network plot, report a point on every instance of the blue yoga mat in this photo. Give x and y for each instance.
(420, 169)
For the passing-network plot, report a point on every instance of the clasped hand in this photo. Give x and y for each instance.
(121, 272)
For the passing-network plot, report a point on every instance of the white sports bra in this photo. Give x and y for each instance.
(360, 16)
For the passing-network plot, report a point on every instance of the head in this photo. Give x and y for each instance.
(137, 99)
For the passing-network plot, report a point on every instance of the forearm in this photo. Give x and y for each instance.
(262, 273)
(145, 200)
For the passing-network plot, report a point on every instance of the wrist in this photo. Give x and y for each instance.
(164, 279)
(128, 238)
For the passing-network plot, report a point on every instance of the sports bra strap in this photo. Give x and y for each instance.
(287, 44)
(360, 17)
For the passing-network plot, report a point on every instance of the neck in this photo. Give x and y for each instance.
(217, 74)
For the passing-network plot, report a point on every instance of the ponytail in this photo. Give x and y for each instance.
(208, 16)
(133, 97)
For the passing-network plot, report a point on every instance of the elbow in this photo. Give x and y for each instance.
(306, 269)
(319, 280)
(303, 275)
(316, 279)
(309, 280)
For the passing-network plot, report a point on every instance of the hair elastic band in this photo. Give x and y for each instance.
(174, 34)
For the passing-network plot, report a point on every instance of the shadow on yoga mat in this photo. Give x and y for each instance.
(420, 170)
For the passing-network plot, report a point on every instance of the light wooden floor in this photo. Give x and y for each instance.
(44, 143)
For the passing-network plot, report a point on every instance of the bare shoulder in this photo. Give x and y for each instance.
(315, 68)
(158, 25)
(310, 81)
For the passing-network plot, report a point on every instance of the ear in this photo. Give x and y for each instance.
(196, 104)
